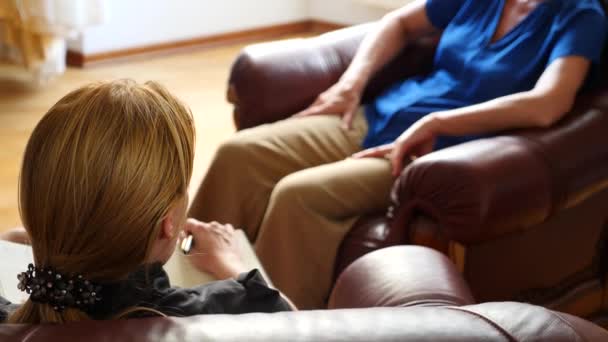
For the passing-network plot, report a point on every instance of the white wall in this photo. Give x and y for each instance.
(344, 11)
(135, 23)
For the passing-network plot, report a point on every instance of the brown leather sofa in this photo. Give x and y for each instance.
(417, 295)
(524, 215)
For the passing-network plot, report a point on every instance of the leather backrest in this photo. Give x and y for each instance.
(485, 322)
(271, 81)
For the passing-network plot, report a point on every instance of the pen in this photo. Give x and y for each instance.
(186, 244)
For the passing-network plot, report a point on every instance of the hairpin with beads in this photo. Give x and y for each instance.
(45, 285)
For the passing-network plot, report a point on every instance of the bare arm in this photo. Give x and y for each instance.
(550, 99)
(381, 45)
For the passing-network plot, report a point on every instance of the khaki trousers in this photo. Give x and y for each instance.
(291, 186)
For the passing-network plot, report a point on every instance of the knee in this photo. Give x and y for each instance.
(294, 190)
(233, 149)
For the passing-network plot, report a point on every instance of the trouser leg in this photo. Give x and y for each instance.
(309, 214)
(246, 168)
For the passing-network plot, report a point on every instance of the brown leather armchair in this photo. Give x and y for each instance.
(395, 294)
(524, 215)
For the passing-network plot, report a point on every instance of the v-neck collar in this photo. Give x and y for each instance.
(513, 30)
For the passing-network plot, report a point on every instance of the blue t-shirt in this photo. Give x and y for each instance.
(469, 68)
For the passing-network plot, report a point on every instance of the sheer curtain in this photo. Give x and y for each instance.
(33, 33)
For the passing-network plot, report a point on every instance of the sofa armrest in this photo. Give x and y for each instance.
(486, 188)
(271, 81)
(484, 322)
(400, 276)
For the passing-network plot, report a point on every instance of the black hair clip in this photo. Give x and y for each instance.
(44, 285)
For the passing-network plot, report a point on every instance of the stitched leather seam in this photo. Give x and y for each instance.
(565, 321)
(490, 322)
(31, 333)
(440, 297)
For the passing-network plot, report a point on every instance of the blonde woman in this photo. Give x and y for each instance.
(103, 199)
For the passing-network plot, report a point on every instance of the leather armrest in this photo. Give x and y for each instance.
(271, 81)
(483, 189)
(400, 276)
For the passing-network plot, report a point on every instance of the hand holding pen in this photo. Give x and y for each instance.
(212, 248)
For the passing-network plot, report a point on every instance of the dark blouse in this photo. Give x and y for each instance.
(247, 293)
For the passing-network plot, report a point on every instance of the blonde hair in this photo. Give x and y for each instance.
(100, 172)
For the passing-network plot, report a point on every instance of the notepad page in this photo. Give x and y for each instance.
(14, 259)
(183, 274)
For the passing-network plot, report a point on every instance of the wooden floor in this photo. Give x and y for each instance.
(197, 77)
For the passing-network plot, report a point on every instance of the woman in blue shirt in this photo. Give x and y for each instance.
(498, 62)
(492, 72)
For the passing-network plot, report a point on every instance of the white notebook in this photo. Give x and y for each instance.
(14, 259)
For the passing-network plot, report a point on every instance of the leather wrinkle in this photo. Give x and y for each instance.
(505, 333)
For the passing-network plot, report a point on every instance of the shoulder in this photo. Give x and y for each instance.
(456, 4)
(6, 309)
(584, 16)
(442, 12)
(248, 293)
(3, 309)
(568, 8)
